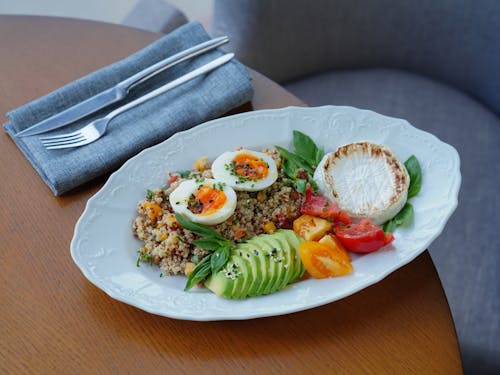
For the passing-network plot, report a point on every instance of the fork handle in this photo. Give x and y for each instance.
(169, 86)
(160, 66)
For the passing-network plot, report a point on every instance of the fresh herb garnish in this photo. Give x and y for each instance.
(402, 219)
(306, 157)
(144, 258)
(413, 167)
(307, 149)
(150, 194)
(210, 240)
(405, 216)
(184, 174)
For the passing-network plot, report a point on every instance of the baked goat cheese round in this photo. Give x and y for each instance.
(204, 201)
(245, 170)
(364, 179)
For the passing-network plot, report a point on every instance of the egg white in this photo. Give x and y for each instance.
(179, 199)
(222, 172)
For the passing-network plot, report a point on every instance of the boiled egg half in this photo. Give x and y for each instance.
(245, 170)
(204, 201)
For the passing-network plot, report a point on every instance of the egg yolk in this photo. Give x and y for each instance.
(206, 200)
(251, 167)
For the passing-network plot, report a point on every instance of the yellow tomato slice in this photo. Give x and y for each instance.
(311, 228)
(335, 245)
(321, 261)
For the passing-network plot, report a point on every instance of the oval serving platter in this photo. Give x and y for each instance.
(105, 250)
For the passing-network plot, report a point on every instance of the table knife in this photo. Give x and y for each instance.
(119, 91)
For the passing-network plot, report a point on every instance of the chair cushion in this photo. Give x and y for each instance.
(455, 41)
(467, 254)
(157, 16)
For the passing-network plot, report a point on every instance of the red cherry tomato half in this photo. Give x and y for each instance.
(316, 205)
(362, 237)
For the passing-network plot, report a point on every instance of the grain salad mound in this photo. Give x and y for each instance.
(169, 246)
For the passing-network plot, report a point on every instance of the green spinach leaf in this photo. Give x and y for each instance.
(413, 167)
(305, 147)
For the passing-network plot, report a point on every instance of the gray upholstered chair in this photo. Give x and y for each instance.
(434, 63)
(154, 15)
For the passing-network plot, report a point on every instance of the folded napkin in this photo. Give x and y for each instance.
(197, 101)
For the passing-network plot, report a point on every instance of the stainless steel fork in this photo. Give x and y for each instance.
(97, 128)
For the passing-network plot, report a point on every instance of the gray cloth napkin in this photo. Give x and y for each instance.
(197, 101)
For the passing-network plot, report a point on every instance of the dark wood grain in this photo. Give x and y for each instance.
(53, 321)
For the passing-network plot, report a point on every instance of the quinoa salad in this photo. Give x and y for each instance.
(169, 246)
(252, 223)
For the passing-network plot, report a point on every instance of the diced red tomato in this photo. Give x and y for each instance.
(172, 178)
(362, 237)
(316, 205)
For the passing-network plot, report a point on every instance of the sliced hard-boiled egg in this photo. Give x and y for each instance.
(245, 170)
(204, 201)
(365, 180)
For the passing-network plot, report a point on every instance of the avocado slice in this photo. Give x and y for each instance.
(272, 267)
(230, 279)
(219, 284)
(246, 252)
(261, 249)
(286, 261)
(243, 273)
(276, 256)
(294, 240)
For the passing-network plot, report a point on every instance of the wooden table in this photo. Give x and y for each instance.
(54, 321)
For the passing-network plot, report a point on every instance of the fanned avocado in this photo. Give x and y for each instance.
(286, 258)
(264, 264)
(264, 243)
(276, 265)
(294, 240)
(258, 267)
(242, 273)
(260, 249)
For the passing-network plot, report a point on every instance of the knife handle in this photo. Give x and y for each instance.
(170, 85)
(160, 66)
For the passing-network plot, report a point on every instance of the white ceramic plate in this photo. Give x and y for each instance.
(105, 250)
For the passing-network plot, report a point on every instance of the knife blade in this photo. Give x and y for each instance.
(117, 92)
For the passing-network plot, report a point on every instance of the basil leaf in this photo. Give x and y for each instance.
(404, 217)
(320, 152)
(413, 167)
(293, 158)
(305, 147)
(209, 243)
(199, 273)
(389, 226)
(313, 184)
(218, 259)
(289, 168)
(199, 229)
(300, 185)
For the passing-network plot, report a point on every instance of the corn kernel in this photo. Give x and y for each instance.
(189, 268)
(202, 164)
(269, 227)
(261, 196)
